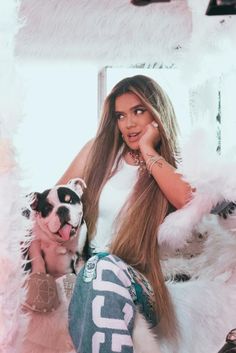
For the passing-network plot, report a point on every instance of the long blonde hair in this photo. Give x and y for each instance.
(136, 238)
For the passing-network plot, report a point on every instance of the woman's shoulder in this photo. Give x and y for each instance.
(86, 148)
(77, 166)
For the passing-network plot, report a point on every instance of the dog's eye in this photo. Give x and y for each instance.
(46, 209)
(68, 199)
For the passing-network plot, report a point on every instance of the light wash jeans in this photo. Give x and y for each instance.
(103, 305)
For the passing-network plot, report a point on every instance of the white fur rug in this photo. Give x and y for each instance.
(205, 313)
(205, 305)
(108, 32)
(208, 255)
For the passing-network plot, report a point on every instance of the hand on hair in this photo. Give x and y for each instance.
(151, 136)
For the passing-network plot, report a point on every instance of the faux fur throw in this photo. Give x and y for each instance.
(213, 177)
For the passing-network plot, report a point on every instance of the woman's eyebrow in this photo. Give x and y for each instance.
(131, 108)
(137, 106)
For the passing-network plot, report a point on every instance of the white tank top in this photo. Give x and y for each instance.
(112, 198)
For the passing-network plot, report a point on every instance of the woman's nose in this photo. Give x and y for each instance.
(130, 122)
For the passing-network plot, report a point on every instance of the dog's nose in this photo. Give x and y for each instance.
(63, 214)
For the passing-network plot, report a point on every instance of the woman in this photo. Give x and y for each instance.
(129, 169)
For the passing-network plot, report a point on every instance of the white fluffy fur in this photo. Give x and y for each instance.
(210, 52)
(204, 305)
(212, 175)
(99, 31)
(144, 340)
(205, 313)
(108, 32)
(217, 260)
(12, 321)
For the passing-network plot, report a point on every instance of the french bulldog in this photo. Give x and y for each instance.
(57, 215)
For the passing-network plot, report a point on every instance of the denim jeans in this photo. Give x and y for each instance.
(103, 306)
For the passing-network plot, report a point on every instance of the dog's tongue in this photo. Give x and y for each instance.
(65, 231)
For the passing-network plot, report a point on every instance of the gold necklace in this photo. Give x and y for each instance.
(138, 160)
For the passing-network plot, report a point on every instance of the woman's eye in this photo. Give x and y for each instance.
(139, 111)
(119, 116)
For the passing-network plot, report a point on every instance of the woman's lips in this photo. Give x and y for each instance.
(133, 137)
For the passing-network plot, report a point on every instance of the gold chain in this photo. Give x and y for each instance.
(138, 160)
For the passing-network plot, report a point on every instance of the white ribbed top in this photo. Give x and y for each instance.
(113, 197)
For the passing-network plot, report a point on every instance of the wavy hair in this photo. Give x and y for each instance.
(136, 237)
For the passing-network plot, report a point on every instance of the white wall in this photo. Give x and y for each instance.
(60, 108)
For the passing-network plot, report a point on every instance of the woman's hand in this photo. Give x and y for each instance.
(151, 136)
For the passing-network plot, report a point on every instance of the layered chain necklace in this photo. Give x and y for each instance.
(138, 160)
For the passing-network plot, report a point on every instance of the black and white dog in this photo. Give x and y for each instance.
(55, 244)
(57, 215)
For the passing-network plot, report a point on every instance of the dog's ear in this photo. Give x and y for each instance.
(33, 199)
(77, 184)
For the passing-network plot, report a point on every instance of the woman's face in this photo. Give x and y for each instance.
(132, 118)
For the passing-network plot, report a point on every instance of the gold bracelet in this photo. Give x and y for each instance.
(151, 161)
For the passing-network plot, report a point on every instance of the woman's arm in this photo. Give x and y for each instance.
(177, 191)
(76, 168)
